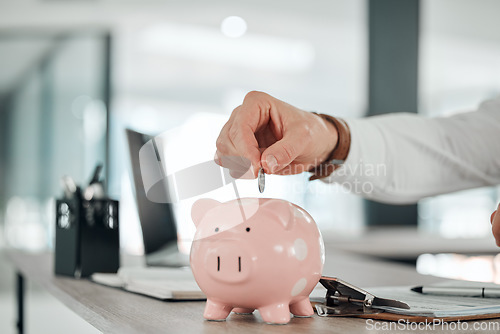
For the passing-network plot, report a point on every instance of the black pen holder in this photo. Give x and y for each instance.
(87, 237)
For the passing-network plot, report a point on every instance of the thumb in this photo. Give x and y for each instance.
(282, 153)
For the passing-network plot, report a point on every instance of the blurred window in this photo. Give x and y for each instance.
(193, 72)
(459, 68)
(55, 123)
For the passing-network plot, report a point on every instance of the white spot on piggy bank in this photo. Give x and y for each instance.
(300, 249)
(256, 254)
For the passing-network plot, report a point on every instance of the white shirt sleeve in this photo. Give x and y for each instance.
(401, 158)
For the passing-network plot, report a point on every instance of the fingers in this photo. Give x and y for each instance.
(495, 221)
(275, 135)
(306, 139)
(280, 155)
(239, 154)
(237, 137)
(239, 167)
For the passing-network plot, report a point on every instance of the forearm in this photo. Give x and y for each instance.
(401, 158)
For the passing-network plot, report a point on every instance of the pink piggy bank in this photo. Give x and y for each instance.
(251, 253)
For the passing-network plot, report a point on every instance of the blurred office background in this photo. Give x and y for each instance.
(75, 74)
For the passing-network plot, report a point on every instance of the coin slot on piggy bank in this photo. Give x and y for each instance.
(249, 253)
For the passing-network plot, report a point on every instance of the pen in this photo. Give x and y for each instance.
(459, 291)
(95, 189)
(69, 186)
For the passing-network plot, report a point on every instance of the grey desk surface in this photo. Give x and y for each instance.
(115, 311)
(408, 243)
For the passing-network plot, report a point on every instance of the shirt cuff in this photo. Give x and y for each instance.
(366, 160)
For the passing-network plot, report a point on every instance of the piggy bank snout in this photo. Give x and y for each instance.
(228, 263)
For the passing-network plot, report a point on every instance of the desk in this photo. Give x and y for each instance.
(116, 311)
(407, 243)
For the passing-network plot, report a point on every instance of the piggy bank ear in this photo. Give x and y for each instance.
(201, 207)
(282, 210)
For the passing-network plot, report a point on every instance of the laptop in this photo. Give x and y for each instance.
(159, 231)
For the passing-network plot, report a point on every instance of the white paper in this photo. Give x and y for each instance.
(436, 306)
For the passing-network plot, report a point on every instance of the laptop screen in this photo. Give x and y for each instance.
(157, 219)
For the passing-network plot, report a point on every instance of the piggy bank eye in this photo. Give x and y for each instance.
(216, 229)
(248, 229)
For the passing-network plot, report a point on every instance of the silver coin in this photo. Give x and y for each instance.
(262, 180)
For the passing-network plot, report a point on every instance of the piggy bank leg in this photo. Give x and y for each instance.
(275, 313)
(302, 308)
(240, 310)
(216, 311)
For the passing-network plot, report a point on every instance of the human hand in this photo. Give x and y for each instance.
(275, 135)
(495, 225)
